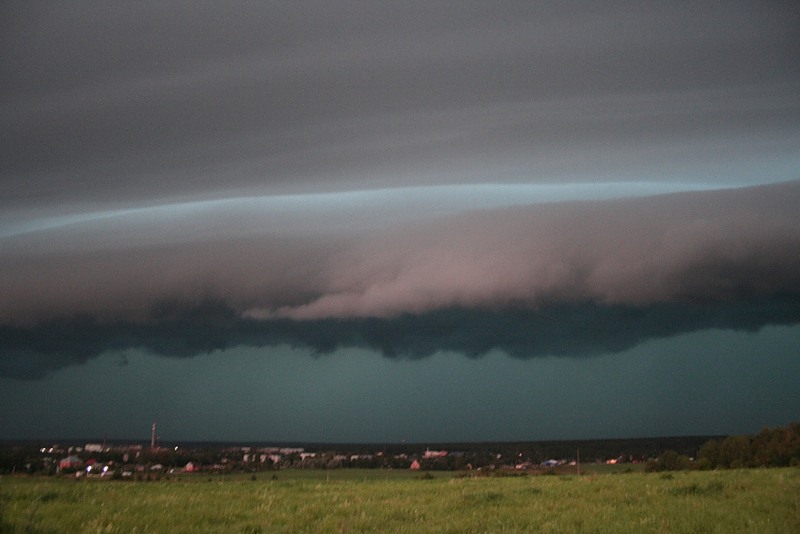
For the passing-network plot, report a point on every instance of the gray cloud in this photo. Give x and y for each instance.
(564, 330)
(120, 102)
(714, 245)
(185, 178)
(562, 278)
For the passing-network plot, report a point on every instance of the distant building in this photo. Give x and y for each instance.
(415, 465)
(70, 462)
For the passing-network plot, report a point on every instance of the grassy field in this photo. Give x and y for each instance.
(756, 500)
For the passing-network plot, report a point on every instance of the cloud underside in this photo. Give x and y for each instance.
(576, 330)
(565, 279)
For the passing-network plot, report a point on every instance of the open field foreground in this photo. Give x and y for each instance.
(755, 500)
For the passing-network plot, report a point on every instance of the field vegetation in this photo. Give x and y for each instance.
(735, 500)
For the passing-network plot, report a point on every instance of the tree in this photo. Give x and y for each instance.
(669, 461)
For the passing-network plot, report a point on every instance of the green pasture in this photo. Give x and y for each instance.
(754, 500)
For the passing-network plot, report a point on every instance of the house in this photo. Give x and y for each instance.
(70, 462)
(415, 465)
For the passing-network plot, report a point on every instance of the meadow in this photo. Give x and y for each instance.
(747, 500)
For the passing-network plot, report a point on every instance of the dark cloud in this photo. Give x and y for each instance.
(544, 180)
(121, 102)
(554, 279)
(153, 106)
(573, 330)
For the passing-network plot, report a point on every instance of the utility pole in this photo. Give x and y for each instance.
(578, 461)
(153, 437)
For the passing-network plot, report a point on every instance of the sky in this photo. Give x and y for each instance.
(385, 222)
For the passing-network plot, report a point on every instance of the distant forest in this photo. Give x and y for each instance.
(772, 447)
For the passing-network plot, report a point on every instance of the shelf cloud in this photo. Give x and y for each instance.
(226, 189)
(564, 278)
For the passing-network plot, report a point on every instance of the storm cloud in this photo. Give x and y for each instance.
(552, 279)
(365, 209)
(119, 104)
(562, 330)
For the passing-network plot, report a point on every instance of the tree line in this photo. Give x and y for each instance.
(771, 447)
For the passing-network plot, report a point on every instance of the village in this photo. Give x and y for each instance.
(136, 461)
(147, 461)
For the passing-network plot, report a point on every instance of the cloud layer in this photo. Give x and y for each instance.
(551, 279)
(565, 330)
(131, 103)
(187, 177)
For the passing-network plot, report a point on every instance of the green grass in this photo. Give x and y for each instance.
(766, 500)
